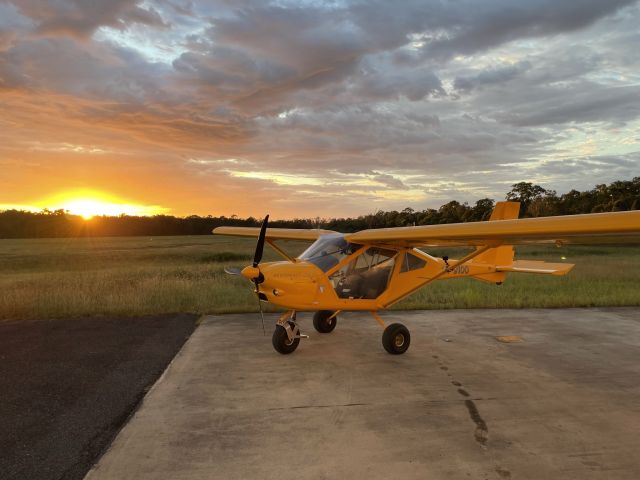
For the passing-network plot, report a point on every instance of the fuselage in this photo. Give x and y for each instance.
(357, 277)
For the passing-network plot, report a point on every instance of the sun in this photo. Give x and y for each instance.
(90, 203)
(89, 208)
(84, 208)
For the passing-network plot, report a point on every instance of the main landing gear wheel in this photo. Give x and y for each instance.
(322, 321)
(396, 339)
(281, 341)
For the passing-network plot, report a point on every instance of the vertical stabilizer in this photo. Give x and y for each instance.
(503, 255)
(505, 211)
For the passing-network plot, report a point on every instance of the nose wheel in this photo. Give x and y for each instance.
(281, 341)
(286, 337)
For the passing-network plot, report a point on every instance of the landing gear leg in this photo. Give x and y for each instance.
(286, 336)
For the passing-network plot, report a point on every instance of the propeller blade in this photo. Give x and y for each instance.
(260, 245)
(232, 270)
(257, 257)
(260, 307)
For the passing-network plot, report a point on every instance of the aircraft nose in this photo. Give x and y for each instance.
(250, 272)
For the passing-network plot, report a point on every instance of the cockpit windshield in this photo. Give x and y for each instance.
(328, 250)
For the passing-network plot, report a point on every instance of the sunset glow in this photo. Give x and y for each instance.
(88, 208)
(303, 109)
(89, 204)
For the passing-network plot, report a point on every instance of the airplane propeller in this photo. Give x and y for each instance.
(257, 257)
(253, 272)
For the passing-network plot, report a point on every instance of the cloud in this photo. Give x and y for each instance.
(580, 104)
(491, 76)
(499, 22)
(385, 84)
(81, 18)
(358, 105)
(389, 181)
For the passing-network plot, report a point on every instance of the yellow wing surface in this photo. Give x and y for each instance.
(595, 228)
(273, 233)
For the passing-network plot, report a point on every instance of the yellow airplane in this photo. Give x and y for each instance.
(372, 269)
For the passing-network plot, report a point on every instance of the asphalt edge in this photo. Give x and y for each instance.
(140, 401)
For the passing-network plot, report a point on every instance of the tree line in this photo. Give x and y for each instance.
(535, 201)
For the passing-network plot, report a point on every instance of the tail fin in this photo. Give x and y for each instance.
(502, 255)
(505, 211)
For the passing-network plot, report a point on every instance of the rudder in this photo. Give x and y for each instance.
(503, 255)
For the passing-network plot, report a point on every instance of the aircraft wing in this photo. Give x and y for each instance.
(595, 228)
(273, 233)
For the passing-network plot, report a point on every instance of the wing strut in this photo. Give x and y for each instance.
(277, 248)
(447, 269)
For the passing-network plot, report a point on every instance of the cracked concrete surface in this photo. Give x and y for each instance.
(562, 403)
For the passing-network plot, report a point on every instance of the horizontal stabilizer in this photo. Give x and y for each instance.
(536, 266)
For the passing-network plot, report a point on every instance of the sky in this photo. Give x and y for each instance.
(309, 108)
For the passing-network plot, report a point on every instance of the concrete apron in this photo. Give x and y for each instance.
(557, 399)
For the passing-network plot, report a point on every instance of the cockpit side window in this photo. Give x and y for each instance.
(411, 262)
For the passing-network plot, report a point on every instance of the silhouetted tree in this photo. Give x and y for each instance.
(481, 211)
(535, 201)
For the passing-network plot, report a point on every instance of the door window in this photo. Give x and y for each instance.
(366, 276)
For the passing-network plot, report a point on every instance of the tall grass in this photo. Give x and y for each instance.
(53, 278)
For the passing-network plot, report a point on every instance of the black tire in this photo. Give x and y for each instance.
(396, 339)
(281, 341)
(322, 323)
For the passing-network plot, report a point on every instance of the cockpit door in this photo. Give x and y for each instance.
(366, 276)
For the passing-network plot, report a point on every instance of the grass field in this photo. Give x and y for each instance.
(55, 278)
